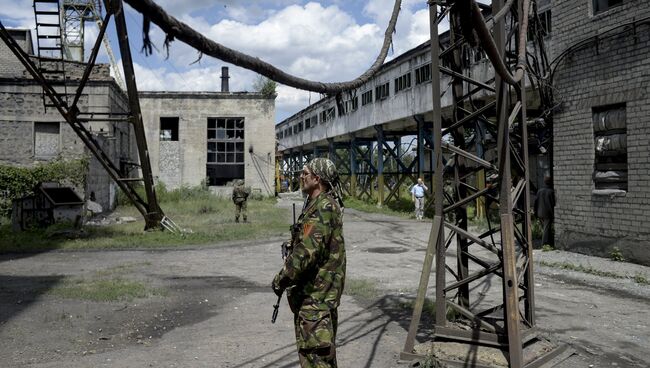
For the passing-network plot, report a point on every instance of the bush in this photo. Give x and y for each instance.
(18, 182)
(616, 255)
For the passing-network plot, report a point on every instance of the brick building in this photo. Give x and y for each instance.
(601, 150)
(31, 134)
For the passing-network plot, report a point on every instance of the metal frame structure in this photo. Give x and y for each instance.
(509, 323)
(369, 168)
(149, 208)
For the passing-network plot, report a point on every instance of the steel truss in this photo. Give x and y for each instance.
(370, 168)
(504, 252)
(149, 208)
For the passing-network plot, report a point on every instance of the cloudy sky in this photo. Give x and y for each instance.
(334, 40)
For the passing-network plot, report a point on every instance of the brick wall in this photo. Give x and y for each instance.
(613, 70)
(21, 105)
(9, 65)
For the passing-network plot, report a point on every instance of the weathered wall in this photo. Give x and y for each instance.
(612, 70)
(9, 65)
(186, 165)
(21, 107)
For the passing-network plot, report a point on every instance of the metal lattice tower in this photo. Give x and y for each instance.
(75, 14)
(498, 308)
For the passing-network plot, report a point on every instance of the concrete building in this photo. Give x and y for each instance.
(211, 137)
(32, 135)
(601, 150)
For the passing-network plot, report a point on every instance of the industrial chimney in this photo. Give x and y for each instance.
(224, 79)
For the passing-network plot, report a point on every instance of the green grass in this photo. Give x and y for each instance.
(638, 278)
(641, 279)
(398, 208)
(210, 220)
(103, 290)
(547, 248)
(361, 288)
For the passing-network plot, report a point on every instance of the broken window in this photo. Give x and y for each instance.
(169, 129)
(366, 98)
(604, 5)
(227, 144)
(311, 122)
(351, 105)
(381, 91)
(610, 143)
(403, 82)
(543, 28)
(327, 115)
(47, 141)
(423, 74)
(225, 153)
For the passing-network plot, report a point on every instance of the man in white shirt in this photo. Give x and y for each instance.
(417, 192)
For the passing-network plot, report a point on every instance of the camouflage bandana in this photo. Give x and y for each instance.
(326, 170)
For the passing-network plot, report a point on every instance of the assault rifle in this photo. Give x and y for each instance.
(286, 249)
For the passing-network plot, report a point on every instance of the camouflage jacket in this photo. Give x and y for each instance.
(315, 267)
(240, 193)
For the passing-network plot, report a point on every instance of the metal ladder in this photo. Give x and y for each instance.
(51, 63)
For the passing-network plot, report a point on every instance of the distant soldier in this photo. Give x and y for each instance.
(240, 195)
(314, 269)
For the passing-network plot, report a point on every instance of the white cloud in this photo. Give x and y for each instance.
(20, 13)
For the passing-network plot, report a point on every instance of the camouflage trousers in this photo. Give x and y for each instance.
(240, 209)
(315, 338)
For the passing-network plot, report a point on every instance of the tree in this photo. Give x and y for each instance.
(265, 86)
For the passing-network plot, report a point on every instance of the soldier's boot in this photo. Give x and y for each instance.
(237, 219)
(245, 219)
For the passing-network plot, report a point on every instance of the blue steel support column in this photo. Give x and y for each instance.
(330, 144)
(353, 167)
(420, 148)
(292, 170)
(398, 146)
(380, 163)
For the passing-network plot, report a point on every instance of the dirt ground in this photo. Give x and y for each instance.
(217, 305)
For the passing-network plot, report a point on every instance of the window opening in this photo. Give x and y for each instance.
(610, 144)
(169, 129)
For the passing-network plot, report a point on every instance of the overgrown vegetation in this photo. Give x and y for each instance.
(265, 86)
(616, 255)
(638, 278)
(547, 248)
(18, 182)
(209, 219)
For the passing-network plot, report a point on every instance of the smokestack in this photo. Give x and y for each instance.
(224, 79)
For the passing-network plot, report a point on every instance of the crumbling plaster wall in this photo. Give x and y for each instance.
(614, 70)
(184, 162)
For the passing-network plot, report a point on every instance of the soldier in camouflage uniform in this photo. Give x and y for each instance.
(314, 269)
(240, 195)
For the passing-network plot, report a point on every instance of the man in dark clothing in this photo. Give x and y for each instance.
(544, 209)
(314, 269)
